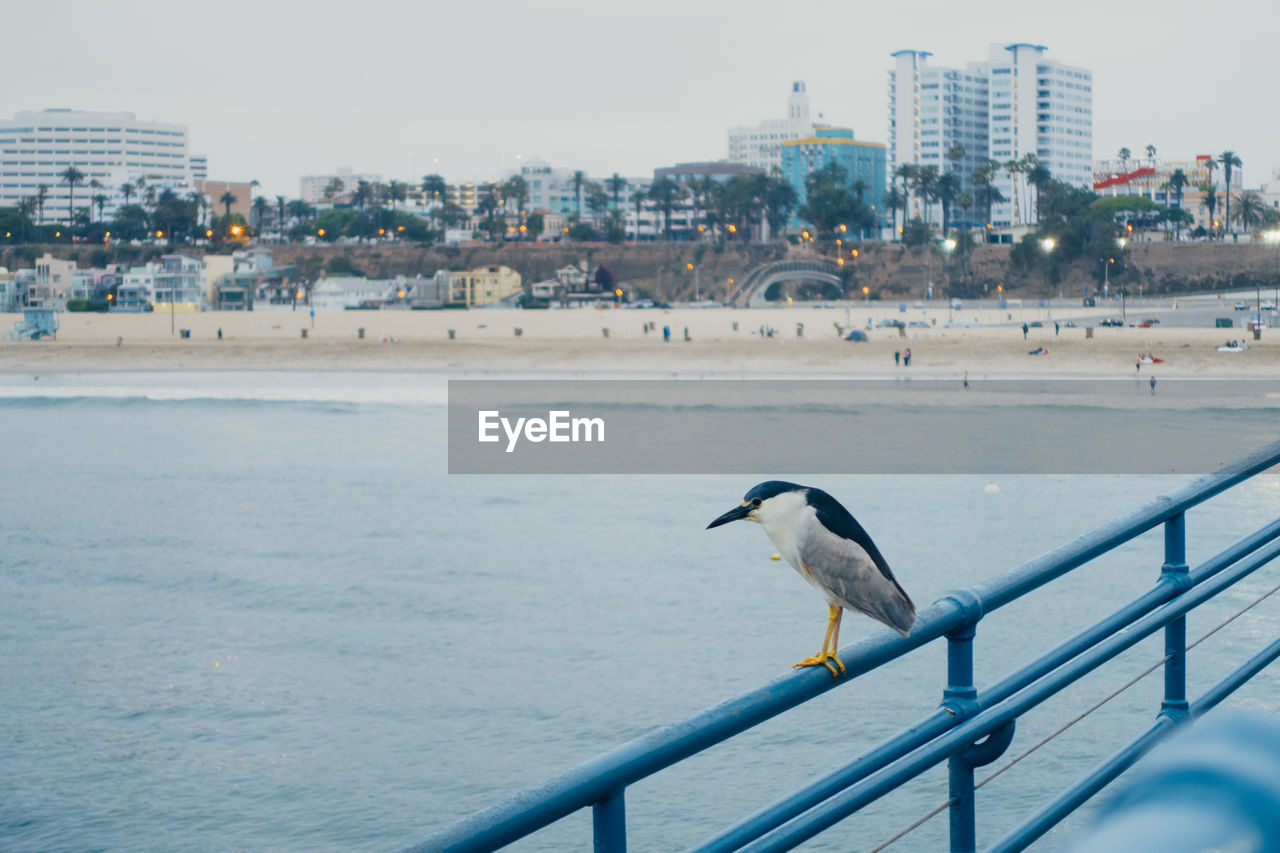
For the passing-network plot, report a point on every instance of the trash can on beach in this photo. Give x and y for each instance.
(304, 333)
(360, 333)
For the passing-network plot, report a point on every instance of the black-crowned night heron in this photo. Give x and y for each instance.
(829, 548)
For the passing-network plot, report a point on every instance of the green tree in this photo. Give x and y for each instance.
(779, 199)
(579, 179)
(830, 202)
(597, 201)
(638, 198)
(893, 199)
(333, 189)
(1176, 184)
(516, 189)
(1250, 211)
(100, 201)
(71, 176)
(226, 200)
(42, 192)
(127, 190)
(664, 193)
(535, 225)
(1229, 161)
(259, 208)
(948, 190)
(1210, 202)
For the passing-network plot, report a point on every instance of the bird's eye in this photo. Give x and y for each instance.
(756, 502)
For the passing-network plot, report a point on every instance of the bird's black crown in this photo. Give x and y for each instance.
(771, 488)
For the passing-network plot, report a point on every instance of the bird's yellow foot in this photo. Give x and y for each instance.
(822, 660)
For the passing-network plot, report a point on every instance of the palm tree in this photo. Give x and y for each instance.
(948, 190)
(42, 192)
(894, 200)
(226, 200)
(127, 190)
(1038, 175)
(579, 178)
(1250, 211)
(72, 176)
(664, 192)
(1229, 161)
(598, 201)
(26, 207)
(1151, 162)
(982, 180)
(517, 189)
(100, 201)
(925, 182)
(638, 199)
(779, 199)
(259, 207)
(1210, 202)
(1176, 184)
(616, 184)
(434, 190)
(906, 173)
(1124, 154)
(280, 205)
(333, 189)
(1014, 168)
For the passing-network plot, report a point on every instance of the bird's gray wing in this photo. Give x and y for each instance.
(847, 570)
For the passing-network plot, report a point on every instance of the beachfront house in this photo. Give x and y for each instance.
(348, 292)
(51, 286)
(10, 292)
(178, 284)
(483, 286)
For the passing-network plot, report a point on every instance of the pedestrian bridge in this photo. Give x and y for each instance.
(971, 727)
(751, 293)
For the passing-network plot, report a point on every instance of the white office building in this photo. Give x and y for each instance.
(933, 112)
(1017, 102)
(312, 187)
(111, 148)
(761, 144)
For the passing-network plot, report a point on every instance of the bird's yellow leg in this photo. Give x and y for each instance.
(828, 653)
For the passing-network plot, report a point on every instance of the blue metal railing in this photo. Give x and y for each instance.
(971, 728)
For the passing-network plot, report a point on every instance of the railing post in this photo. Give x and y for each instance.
(960, 697)
(1174, 570)
(609, 822)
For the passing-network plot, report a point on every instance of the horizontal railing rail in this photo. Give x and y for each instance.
(950, 733)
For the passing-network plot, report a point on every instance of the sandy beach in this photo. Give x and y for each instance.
(722, 341)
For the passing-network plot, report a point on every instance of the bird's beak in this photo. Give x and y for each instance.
(738, 512)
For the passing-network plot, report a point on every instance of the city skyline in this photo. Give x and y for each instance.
(276, 95)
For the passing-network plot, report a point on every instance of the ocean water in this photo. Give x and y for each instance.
(252, 611)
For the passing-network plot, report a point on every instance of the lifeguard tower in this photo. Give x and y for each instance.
(36, 323)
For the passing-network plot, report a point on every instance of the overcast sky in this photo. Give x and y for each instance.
(274, 89)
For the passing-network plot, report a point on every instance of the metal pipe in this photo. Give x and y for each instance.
(1174, 570)
(597, 779)
(775, 815)
(609, 824)
(841, 806)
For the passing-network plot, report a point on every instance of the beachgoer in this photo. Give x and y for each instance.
(897, 357)
(1024, 331)
(1153, 386)
(1055, 328)
(219, 333)
(966, 379)
(666, 334)
(906, 358)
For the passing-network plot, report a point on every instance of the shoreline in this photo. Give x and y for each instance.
(575, 343)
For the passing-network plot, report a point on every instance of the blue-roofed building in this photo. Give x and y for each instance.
(864, 161)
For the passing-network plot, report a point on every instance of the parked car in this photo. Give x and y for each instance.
(1268, 306)
(890, 324)
(917, 324)
(1241, 306)
(1151, 323)
(1035, 324)
(1112, 321)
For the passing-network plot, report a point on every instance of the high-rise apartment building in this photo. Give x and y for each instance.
(935, 112)
(111, 148)
(761, 144)
(311, 188)
(1018, 102)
